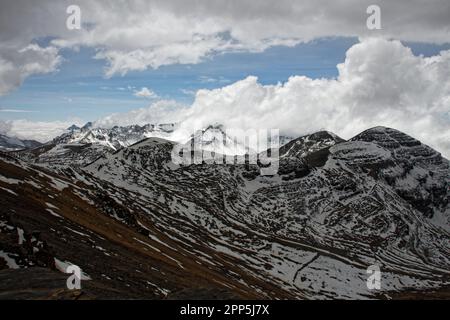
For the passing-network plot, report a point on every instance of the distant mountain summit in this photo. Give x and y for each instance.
(73, 128)
(87, 126)
(80, 146)
(310, 143)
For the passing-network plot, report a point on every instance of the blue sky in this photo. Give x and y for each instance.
(80, 90)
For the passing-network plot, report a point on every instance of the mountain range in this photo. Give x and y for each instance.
(113, 202)
(10, 143)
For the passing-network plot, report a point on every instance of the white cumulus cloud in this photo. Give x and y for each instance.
(17, 64)
(136, 35)
(145, 93)
(158, 112)
(380, 82)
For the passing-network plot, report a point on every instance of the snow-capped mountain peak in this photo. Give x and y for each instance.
(310, 143)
